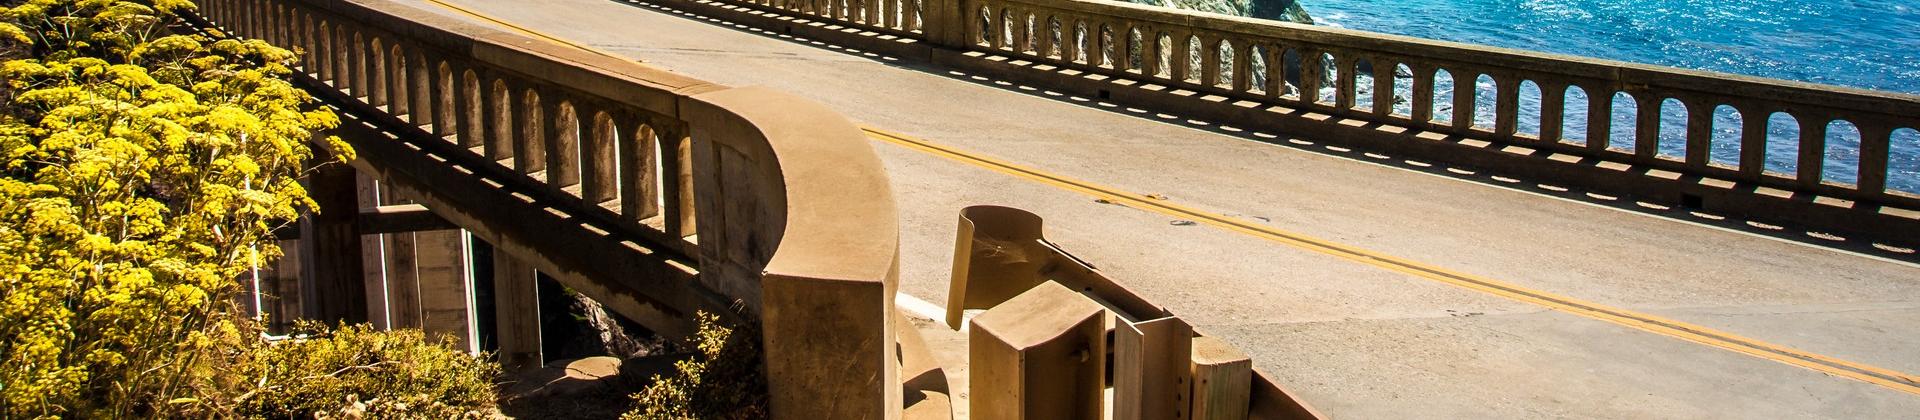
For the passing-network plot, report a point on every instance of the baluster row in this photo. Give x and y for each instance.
(607, 154)
(1489, 103)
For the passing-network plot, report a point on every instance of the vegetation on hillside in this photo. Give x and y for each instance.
(141, 169)
(722, 379)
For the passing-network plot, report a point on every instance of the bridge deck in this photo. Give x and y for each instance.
(1354, 339)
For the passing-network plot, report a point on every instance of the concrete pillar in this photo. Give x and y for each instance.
(373, 255)
(517, 312)
(444, 289)
(330, 248)
(402, 271)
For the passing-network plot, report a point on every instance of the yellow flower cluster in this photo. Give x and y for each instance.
(140, 170)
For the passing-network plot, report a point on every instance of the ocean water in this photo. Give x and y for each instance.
(1873, 44)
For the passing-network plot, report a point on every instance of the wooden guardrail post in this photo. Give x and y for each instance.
(1152, 372)
(1039, 356)
(1222, 380)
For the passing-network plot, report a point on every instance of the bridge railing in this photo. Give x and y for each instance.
(1757, 137)
(1164, 46)
(777, 202)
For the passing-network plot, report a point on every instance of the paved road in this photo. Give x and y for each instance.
(1356, 340)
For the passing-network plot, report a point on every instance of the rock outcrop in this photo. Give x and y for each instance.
(1281, 10)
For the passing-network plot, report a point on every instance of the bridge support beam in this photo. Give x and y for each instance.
(330, 246)
(516, 300)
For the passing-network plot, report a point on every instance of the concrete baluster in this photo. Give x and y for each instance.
(1506, 105)
(1022, 30)
(1043, 47)
(1813, 147)
(289, 24)
(677, 189)
(438, 91)
(469, 108)
(639, 158)
(276, 27)
(1875, 146)
(907, 21)
(890, 13)
(302, 36)
(1181, 62)
(1423, 92)
(419, 94)
(1344, 90)
(256, 20)
(1383, 77)
(1150, 53)
(377, 71)
(1312, 70)
(1276, 56)
(353, 48)
(1753, 140)
(320, 60)
(498, 101)
(247, 24)
(1699, 132)
(1599, 118)
(562, 140)
(598, 157)
(400, 83)
(1553, 111)
(343, 67)
(1071, 35)
(1209, 60)
(1465, 99)
(1242, 65)
(998, 19)
(1646, 126)
(529, 118)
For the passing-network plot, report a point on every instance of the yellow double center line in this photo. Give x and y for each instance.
(1631, 319)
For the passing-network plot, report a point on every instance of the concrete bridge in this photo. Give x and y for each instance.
(1374, 255)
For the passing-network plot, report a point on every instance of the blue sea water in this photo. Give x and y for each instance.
(1873, 44)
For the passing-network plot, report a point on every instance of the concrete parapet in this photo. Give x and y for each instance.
(1391, 93)
(762, 201)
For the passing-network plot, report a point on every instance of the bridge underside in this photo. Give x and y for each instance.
(1355, 339)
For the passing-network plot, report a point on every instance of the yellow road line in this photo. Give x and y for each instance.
(524, 30)
(1641, 321)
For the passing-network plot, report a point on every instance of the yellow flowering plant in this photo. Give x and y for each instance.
(142, 167)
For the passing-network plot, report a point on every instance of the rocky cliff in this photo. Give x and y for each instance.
(1281, 10)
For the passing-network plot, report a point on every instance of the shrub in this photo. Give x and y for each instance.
(140, 172)
(722, 380)
(355, 371)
